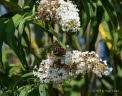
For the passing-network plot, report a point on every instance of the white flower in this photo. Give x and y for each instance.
(68, 15)
(64, 13)
(43, 1)
(55, 69)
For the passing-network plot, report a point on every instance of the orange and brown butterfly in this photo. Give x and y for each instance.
(58, 50)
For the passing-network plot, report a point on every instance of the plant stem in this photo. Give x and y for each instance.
(56, 29)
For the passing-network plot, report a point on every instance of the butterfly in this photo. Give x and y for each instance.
(58, 50)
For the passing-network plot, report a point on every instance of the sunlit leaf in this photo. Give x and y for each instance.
(105, 33)
(25, 90)
(27, 74)
(21, 27)
(42, 90)
(17, 19)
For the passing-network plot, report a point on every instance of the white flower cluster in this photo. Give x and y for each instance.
(64, 13)
(43, 1)
(68, 16)
(57, 69)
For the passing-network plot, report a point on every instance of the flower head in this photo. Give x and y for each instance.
(58, 69)
(62, 12)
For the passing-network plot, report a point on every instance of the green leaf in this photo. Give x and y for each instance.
(106, 83)
(42, 90)
(26, 7)
(26, 39)
(10, 29)
(111, 12)
(14, 43)
(88, 5)
(17, 19)
(34, 8)
(21, 27)
(27, 74)
(107, 30)
(25, 90)
(94, 25)
(21, 78)
(2, 36)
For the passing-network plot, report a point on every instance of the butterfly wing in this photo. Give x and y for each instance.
(58, 50)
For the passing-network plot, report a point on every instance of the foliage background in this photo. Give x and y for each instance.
(26, 41)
